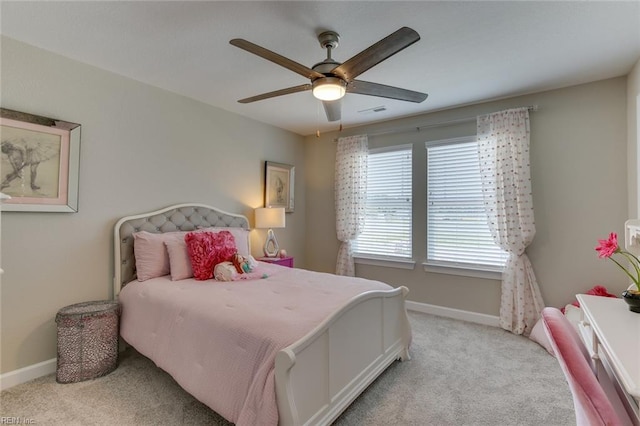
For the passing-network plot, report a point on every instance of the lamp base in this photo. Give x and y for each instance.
(271, 248)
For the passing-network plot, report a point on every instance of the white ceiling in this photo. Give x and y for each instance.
(468, 52)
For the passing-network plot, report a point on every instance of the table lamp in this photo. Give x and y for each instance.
(270, 217)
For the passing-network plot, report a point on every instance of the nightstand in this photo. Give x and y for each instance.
(284, 261)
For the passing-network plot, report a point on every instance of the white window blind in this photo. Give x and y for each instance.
(387, 229)
(457, 230)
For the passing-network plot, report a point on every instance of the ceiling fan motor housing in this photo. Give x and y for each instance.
(328, 40)
(325, 67)
(331, 87)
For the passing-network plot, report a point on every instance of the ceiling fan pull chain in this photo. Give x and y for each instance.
(317, 119)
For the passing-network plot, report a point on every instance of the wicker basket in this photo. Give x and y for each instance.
(87, 340)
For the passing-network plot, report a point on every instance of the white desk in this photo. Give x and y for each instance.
(612, 335)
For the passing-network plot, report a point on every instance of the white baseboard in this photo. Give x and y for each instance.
(442, 311)
(23, 375)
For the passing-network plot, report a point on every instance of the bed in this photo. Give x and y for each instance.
(290, 347)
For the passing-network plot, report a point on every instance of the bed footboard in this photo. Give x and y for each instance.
(320, 375)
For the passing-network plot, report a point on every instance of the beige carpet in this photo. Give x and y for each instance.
(460, 374)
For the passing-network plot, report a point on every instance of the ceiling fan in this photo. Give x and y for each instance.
(330, 80)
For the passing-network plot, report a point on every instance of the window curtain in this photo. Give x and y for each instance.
(503, 149)
(350, 197)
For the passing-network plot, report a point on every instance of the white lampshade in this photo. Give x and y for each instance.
(329, 88)
(270, 217)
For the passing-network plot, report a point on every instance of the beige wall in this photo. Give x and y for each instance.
(142, 149)
(579, 179)
(633, 140)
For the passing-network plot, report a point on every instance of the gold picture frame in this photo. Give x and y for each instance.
(39, 163)
(279, 185)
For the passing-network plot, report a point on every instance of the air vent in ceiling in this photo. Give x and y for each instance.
(372, 110)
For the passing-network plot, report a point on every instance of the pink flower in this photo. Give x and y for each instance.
(608, 247)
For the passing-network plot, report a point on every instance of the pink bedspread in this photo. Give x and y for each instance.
(219, 339)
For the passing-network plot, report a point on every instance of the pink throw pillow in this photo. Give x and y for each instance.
(179, 262)
(207, 249)
(151, 256)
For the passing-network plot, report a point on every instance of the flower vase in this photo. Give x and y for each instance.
(632, 297)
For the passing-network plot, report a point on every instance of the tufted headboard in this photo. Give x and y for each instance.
(180, 217)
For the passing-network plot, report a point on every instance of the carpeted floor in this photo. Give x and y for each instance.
(460, 374)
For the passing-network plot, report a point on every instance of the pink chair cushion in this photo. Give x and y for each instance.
(591, 403)
(538, 335)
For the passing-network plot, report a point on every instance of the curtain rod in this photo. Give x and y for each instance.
(427, 126)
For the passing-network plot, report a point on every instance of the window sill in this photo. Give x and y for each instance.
(462, 271)
(386, 262)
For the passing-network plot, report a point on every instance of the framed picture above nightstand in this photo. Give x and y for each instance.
(284, 261)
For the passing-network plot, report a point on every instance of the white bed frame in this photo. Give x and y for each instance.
(319, 376)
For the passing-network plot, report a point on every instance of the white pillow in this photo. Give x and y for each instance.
(240, 235)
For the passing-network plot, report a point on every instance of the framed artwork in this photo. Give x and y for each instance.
(279, 185)
(39, 163)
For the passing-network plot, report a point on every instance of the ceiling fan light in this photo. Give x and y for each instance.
(329, 88)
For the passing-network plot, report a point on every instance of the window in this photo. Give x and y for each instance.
(457, 230)
(387, 229)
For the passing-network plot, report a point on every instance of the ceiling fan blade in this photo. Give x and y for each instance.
(287, 91)
(376, 53)
(333, 109)
(276, 58)
(374, 89)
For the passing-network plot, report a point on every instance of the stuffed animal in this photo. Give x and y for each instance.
(242, 265)
(225, 271)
